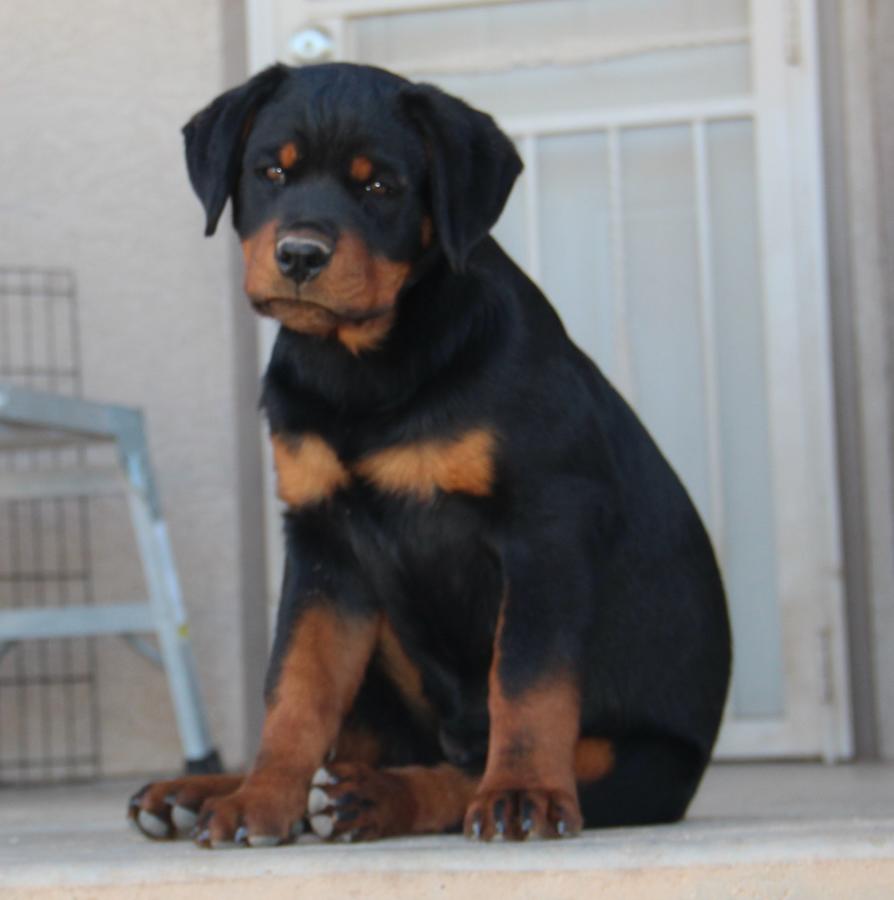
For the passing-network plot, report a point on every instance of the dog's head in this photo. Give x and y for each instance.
(342, 178)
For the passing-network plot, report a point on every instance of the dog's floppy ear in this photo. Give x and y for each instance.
(473, 167)
(215, 137)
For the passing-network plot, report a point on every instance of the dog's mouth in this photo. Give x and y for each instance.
(357, 329)
(287, 307)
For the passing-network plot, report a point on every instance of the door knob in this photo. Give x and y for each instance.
(311, 44)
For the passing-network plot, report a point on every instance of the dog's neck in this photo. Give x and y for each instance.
(443, 324)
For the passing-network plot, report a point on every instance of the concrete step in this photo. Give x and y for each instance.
(756, 831)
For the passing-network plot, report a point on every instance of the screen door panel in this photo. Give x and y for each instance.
(669, 213)
(664, 143)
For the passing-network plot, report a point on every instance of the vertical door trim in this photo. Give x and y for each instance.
(796, 315)
(796, 330)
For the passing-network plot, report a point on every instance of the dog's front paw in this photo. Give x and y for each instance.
(170, 809)
(355, 802)
(261, 813)
(522, 813)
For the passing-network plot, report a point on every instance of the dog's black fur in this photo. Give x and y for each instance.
(574, 546)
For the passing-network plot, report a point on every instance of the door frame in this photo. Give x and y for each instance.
(785, 103)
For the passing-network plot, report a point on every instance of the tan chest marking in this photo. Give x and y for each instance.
(462, 465)
(307, 470)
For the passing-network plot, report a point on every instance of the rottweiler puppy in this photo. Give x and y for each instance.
(500, 611)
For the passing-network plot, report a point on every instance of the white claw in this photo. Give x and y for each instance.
(322, 778)
(262, 840)
(183, 818)
(317, 801)
(151, 824)
(322, 825)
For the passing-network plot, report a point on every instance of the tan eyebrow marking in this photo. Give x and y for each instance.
(289, 155)
(361, 168)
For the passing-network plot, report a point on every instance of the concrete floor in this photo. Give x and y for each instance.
(787, 831)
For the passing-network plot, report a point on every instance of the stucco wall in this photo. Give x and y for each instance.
(858, 37)
(882, 29)
(93, 96)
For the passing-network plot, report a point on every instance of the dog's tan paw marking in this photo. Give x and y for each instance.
(522, 814)
(169, 809)
(353, 801)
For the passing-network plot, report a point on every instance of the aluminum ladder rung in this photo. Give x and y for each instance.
(36, 484)
(29, 418)
(75, 621)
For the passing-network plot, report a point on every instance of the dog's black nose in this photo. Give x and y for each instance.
(302, 257)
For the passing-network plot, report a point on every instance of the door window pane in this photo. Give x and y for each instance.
(568, 55)
(749, 546)
(575, 232)
(662, 286)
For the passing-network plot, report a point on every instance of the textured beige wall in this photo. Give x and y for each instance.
(92, 97)
(858, 37)
(92, 94)
(882, 30)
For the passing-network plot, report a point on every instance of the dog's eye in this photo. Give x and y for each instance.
(379, 188)
(275, 174)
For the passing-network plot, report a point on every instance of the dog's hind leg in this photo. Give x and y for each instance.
(651, 780)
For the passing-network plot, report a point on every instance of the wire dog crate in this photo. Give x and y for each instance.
(49, 716)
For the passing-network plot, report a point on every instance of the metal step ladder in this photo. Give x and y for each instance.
(36, 420)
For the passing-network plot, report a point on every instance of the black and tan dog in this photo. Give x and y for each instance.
(500, 609)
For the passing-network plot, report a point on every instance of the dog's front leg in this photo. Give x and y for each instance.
(529, 786)
(319, 664)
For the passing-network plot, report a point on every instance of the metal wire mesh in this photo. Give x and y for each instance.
(49, 716)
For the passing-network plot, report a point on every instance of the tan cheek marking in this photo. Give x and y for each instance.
(361, 168)
(307, 471)
(355, 280)
(389, 277)
(262, 278)
(289, 155)
(464, 465)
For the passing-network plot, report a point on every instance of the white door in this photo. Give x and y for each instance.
(671, 208)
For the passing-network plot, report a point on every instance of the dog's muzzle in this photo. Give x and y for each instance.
(302, 255)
